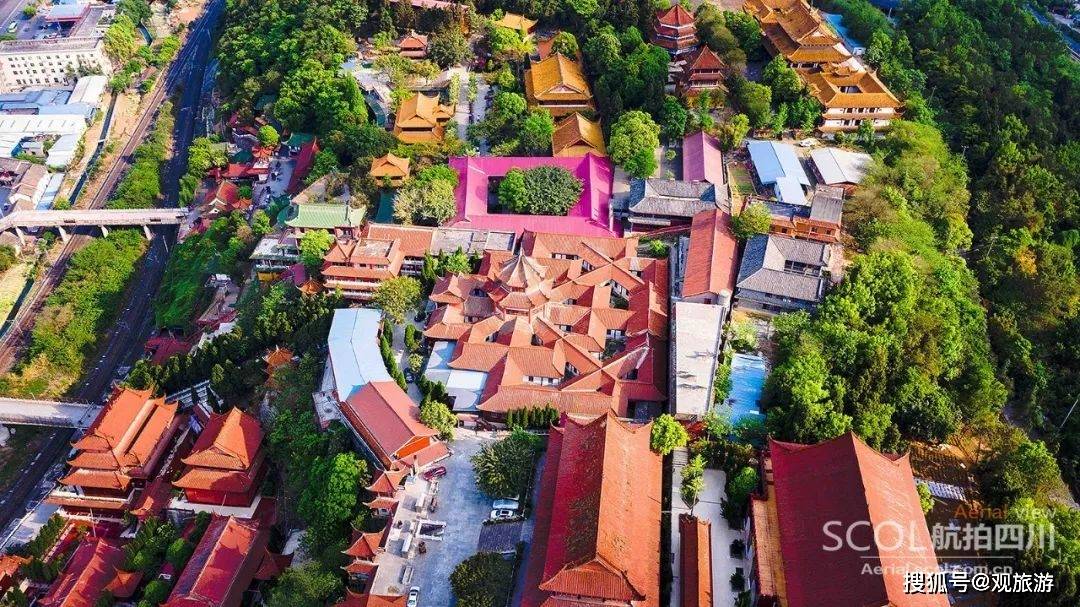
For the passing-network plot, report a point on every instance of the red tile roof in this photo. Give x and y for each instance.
(845, 480)
(304, 161)
(597, 531)
(712, 260)
(225, 192)
(367, 545)
(538, 323)
(125, 442)
(225, 561)
(388, 482)
(702, 158)
(88, 572)
(229, 442)
(675, 16)
(695, 562)
(382, 412)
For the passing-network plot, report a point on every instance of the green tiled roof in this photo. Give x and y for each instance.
(318, 215)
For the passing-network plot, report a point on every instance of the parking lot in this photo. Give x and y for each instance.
(461, 506)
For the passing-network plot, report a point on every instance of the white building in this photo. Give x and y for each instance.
(20, 132)
(51, 61)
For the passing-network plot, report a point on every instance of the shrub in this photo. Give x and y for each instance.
(540, 191)
(483, 580)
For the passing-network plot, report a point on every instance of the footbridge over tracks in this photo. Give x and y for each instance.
(97, 218)
(27, 412)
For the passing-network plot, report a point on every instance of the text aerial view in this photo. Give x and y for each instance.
(539, 303)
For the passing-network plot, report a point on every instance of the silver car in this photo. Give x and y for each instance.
(414, 597)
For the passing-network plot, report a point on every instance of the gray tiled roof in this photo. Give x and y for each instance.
(763, 263)
(827, 204)
(671, 197)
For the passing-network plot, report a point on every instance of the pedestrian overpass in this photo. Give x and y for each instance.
(102, 219)
(28, 412)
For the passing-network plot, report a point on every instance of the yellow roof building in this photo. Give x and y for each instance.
(420, 119)
(837, 86)
(390, 167)
(518, 23)
(797, 31)
(576, 135)
(558, 85)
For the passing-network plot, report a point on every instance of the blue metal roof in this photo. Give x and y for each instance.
(773, 160)
(354, 350)
(789, 191)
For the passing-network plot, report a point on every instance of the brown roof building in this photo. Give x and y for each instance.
(225, 562)
(413, 45)
(577, 322)
(844, 486)
(388, 423)
(353, 599)
(797, 31)
(123, 448)
(597, 536)
(695, 562)
(674, 30)
(558, 85)
(704, 71)
(519, 23)
(849, 96)
(420, 119)
(576, 135)
(226, 465)
(391, 168)
(90, 570)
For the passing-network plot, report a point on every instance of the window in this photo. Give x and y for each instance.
(566, 328)
(541, 381)
(477, 292)
(632, 374)
(491, 338)
(564, 256)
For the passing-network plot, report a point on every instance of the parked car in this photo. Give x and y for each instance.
(502, 515)
(435, 473)
(414, 597)
(505, 504)
(12, 27)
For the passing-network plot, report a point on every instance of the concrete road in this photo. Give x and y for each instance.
(123, 343)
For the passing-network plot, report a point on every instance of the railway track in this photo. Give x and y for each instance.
(14, 340)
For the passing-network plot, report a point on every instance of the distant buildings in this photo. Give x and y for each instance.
(52, 61)
(420, 119)
(674, 30)
(597, 535)
(574, 321)
(820, 221)
(848, 91)
(844, 487)
(519, 23)
(22, 184)
(781, 274)
(558, 85)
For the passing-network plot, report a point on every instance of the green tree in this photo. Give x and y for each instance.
(483, 580)
(633, 143)
(565, 43)
(313, 247)
(754, 99)
(535, 132)
(785, 83)
(328, 500)
(512, 191)
(396, 297)
(310, 585)
(503, 468)
(427, 198)
(926, 499)
(438, 416)
(693, 481)
(667, 435)
(673, 119)
(739, 488)
(448, 47)
(732, 132)
(753, 220)
(268, 136)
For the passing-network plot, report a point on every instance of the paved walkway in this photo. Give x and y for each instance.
(707, 508)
